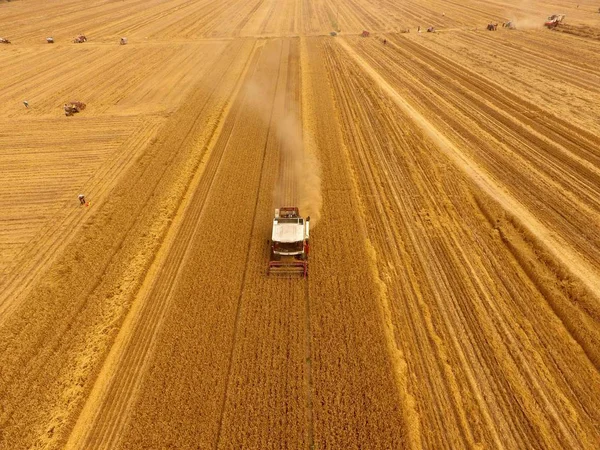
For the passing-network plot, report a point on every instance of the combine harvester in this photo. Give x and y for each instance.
(73, 108)
(554, 20)
(289, 242)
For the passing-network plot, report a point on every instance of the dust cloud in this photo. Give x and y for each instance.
(527, 15)
(299, 180)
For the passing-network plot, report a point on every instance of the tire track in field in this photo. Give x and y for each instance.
(308, 370)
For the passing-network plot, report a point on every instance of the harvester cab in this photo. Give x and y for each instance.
(289, 242)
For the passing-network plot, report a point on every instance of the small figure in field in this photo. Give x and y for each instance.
(26, 103)
(384, 41)
(81, 199)
(419, 29)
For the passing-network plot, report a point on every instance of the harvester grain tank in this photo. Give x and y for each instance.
(289, 242)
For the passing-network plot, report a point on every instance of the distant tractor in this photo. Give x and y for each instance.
(73, 108)
(80, 39)
(4, 41)
(289, 242)
(123, 41)
(50, 40)
(554, 20)
(365, 33)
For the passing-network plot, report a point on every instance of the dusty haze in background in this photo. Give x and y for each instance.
(526, 16)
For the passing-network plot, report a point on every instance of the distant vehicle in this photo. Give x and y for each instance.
(80, 39)
(289, 242)
(365, 33)
(4, 41)
(73, 108)
(123, 41)
(554, 20)
(50, 40)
